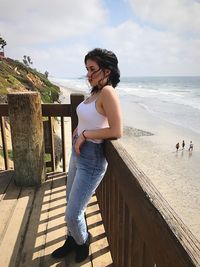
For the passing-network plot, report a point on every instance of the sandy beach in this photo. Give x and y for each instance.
(174, 174)
(151, 143)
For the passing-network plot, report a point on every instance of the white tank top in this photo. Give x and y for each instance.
(90, 119)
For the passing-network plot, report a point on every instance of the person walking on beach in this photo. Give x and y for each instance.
(183, 144)
(177, 146)
(191, 146)
(99, 118)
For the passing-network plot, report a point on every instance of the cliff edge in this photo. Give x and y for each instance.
(15, 76)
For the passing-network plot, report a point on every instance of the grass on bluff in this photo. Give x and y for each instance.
(14, 75)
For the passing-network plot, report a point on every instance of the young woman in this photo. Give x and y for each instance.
(99, 118)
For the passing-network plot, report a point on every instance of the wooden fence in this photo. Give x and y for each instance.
(141, 227)
(50, 111)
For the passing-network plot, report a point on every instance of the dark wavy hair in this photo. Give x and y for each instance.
(105, 60)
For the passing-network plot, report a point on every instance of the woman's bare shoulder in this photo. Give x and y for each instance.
(108, 96)
(108, 90)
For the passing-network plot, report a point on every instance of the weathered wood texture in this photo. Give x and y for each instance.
(99, 249)
(51, 134)
(4, 143)
(142, 228)
(63, 143)
(4, 110)
(56, 110)
(59, 110)
(48, 110)
(32, 225)
(27, 137)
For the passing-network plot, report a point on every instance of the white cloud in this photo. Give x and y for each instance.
(175, 15)
(38, 21)
(52, 33)
(146, 51)
(57, 34)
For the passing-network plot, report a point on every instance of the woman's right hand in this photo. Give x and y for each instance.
(79, 142)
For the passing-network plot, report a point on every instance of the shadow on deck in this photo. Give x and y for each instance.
(141, 226)
(32, 224)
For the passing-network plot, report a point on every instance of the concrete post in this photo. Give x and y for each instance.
(27, 137)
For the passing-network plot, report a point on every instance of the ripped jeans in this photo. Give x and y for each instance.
(85, 174)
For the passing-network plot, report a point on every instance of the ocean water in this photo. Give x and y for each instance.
(173, 99)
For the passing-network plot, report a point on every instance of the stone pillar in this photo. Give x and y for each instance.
(27, 137)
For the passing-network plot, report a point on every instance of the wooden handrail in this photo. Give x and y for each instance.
(52, 110)
(142, 229)
(56, 110)
(49, 110)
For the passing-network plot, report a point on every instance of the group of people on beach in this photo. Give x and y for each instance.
(183, 146)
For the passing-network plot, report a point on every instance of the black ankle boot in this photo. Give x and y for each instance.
(68, 246)
(82, 251)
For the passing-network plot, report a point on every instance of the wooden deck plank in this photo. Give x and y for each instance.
(7, 206)
(5, 178)
(56, 227)
(12, 241)
(33, 248)
(101, 256)
(33, 226)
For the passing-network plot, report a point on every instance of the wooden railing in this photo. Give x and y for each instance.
(141, 227)
(3, 135)
(49, 111)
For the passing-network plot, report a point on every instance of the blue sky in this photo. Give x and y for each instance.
(150, 37)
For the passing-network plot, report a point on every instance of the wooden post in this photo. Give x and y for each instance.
(27, 137)
(63, 143)
(52, 144)
(4, 142)
(75, 100)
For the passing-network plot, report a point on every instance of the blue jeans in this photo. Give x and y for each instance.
(85, 174)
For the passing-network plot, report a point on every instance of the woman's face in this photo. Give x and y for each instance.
(94, 73)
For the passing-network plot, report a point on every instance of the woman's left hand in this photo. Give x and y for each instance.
(79, 142)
